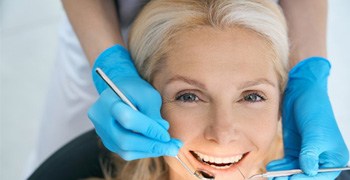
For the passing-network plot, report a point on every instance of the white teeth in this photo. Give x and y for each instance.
(204, 157)
(218, 160)
(221, 167)
(212, 159)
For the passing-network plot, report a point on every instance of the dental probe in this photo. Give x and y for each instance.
(198, 174)
(294, 171)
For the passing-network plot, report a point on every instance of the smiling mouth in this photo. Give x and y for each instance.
(217, 162)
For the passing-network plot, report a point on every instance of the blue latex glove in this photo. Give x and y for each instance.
(129, 133)
(311, 136)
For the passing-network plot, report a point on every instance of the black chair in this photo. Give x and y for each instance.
(78, 159)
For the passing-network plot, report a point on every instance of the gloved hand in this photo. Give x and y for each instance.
(129, 133)
(311, 136)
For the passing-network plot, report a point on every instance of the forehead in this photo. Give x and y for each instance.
(237, 40)
(218, 52)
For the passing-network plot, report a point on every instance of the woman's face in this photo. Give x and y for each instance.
(221, 97)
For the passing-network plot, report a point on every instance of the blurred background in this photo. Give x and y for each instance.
(28, 41)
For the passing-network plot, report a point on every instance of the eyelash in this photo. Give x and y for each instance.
(181, 97)
(245, 98)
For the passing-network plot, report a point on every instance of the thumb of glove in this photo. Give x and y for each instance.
(309, 159)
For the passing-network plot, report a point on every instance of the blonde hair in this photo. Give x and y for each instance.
(163, 20)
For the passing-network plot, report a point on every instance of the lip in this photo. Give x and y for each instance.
(199, 165)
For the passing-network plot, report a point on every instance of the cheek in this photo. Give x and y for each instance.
(263, 127)
(185, 124)
(260, 120)
(264, 133)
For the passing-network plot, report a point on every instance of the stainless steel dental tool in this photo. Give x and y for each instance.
(198, 173)
(293, 171)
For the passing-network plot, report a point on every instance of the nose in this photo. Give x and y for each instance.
(223, 127)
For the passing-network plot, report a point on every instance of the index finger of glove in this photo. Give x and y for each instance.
(146, 99)
(159, 149)
(122, 140)
(283, 164)
(135, 121)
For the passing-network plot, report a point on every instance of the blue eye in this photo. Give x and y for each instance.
(187, 97)
(254, 97)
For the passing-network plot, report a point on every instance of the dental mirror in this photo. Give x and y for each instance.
(202, 174)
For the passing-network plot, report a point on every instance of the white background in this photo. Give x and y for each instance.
(28, 40)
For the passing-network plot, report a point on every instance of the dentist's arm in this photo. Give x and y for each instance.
(307, 27)
(311, 136)
(129, 133)
(96, 24)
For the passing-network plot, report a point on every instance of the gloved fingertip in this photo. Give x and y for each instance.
(164, 124)
(271, 167)
(165, 137)
(174, 147)
(178, 142)
(277, 167)
(309, 163)
(272, 164)
(172, 151)
(279, 164)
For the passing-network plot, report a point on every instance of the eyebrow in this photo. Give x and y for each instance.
(202, 86)
(187, 80)
(255, 83)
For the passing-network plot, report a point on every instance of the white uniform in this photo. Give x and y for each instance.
(70, 93)
(71, 90)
